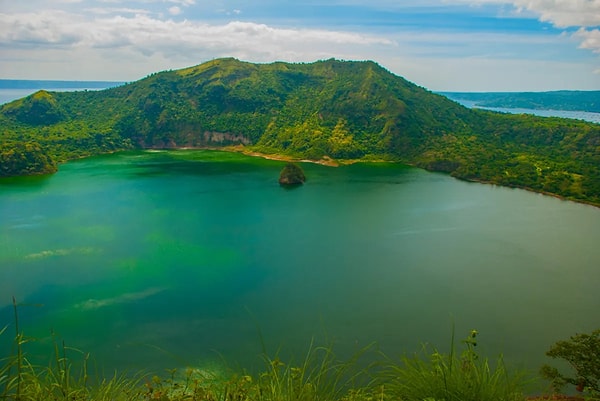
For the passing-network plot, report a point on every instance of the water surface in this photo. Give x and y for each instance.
(573, 114)
(164, 259)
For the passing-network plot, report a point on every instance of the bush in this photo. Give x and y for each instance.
(291, 174)
(582, 352)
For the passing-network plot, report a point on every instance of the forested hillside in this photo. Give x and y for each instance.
(336, 109)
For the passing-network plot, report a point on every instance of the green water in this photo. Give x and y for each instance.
(164, 259)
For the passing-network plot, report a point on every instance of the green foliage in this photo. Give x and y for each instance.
(452, 377)
(18, 158)
(291, 174)
(335, 109)
(320, 376)
(40, 108)
(582, 352)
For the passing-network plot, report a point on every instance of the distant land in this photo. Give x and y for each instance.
(556, 100)
(328, 110)
(47, 84)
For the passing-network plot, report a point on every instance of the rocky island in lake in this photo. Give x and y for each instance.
(291, 175)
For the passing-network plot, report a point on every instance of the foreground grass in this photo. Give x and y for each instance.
(456, 376)
(319, 375)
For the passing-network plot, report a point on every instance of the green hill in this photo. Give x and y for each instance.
(328, 109)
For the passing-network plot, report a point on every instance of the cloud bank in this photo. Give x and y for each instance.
(564, 13)
(570, 13)
(148, 35)
(442, 44)
(581, 14)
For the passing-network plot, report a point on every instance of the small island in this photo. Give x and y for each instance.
(291, 175)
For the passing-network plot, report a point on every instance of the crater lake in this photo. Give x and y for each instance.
(163, 259)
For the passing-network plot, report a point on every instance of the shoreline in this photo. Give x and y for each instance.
(531, 190)
(325, 161)
(243, 150)
(336, 163)
(329, 162)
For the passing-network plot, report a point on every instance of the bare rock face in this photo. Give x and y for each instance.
(291, 175)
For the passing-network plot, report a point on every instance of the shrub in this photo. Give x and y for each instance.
(582, 352)
(452, 377)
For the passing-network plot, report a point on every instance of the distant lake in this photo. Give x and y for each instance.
(578, 115)
(166, 259)
(12, 89)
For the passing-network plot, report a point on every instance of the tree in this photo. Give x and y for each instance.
(24, 158)
(291, 174)
(582, 352)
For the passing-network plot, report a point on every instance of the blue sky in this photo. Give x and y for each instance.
(452, 45)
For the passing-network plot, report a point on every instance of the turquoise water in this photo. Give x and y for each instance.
(184, 258)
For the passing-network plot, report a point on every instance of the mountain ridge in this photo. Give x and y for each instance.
(326, 109)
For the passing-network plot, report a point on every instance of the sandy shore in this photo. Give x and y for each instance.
(326, 161)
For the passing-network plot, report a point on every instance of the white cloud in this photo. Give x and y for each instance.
(40, 28)
(564, 13)
(183, 2)
(180, 2)
(569, 13)
(125, 40)
(561, 14)
(149, 35)
(590, 39)
(116, 10)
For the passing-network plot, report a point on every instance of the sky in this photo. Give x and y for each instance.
(442, 45)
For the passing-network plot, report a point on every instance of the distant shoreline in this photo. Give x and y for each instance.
(325, 161)
(56, 84)
(329, 162)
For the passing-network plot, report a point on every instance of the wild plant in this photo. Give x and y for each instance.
(319, 376)
(435, 376)
(582, 352)
(21, 380)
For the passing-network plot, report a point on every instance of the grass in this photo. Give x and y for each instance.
(453, 377)
(318, 376)
(20, 379)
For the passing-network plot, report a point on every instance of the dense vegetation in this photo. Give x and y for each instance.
(582, 352)
(327, 109)
(556, 100)
(291, 174)
(24, 158)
